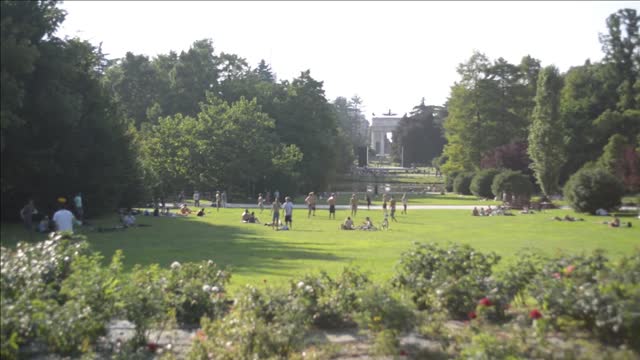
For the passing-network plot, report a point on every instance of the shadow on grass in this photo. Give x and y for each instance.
(242, 249)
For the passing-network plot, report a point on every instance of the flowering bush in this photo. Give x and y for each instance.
(452, 278)
(331, 302)
(33, 307)
(195, 290)
(260, 325)
(604, 298)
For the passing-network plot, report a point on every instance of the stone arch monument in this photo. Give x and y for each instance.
(380, 126)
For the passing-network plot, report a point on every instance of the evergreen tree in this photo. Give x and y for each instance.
(546, 135)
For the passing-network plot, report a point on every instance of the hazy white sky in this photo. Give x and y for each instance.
(389, 53)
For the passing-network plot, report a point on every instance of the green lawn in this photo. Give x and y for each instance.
(257, 253)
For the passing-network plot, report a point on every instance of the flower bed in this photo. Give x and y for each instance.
(59, 298)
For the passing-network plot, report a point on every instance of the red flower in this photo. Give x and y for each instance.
(472, 315)
(403, 353)
(569, 269)
(152, 347)
(485, 302)
(535, 314)
(556, 275)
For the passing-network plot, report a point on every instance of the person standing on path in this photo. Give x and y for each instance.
(404, 203)
(218, 200)
(311, 203)
(276, 195)
(196, 198)
(354, 205)
(275, 219)
(384, 203)
(288, 212)
(392, 205)
(260, 202)
(224, 199)
(368, 202)
(332, 206)
(77, 201)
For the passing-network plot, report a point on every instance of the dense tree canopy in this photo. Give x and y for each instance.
(63, 134)
(419, 136)
(121, 129)
(492, 117)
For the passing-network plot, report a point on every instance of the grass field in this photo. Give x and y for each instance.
(257, 253)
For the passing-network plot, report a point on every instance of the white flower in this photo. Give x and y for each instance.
(168, 346)
(210, 262)
(300, 285)
(439, 292)
(308, 288)
(175, 265)
(206, 288)
(215, 289)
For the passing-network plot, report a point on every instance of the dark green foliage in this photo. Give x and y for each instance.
(512, 183)
(546, 135)
(452, 278)
(593, 188)
(603, 297)
(481, 183)
(449, 179)
(462, 182)
(420, 134)
(62, 134)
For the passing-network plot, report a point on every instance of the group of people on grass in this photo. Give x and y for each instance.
(500, 210)
(311, 200)
(63, 219)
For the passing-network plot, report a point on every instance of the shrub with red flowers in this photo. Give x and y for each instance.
(450, 278)
(603, 297)
(535, 314)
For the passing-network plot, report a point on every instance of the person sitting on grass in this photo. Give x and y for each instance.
(475, 212)
(253, 219)
(482, 212)
(128, 220)
(385, 223)
(201, 212)
(368, 224)
(348, 224)
(44, 225)
(245, 216)
(184, 210)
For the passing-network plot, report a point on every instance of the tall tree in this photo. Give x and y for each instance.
(621, 47)
(488, 108)
(418, 137)
(546, 135)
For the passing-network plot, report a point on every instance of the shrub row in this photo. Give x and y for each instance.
(58, 294)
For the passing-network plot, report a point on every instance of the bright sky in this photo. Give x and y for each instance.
(391, 54)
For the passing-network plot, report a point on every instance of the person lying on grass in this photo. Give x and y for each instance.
(616, 223)
(567, 218)
(201, 212)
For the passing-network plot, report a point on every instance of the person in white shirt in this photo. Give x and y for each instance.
(64, 219)
(288, 212)
(196, 198)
